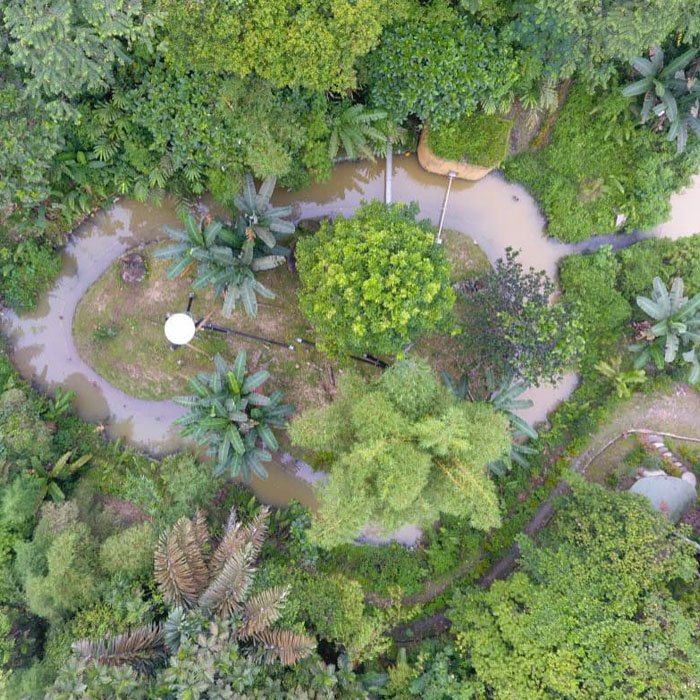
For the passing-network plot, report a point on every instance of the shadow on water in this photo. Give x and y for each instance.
(495, 213)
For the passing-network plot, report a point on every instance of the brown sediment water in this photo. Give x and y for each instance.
(496, 214)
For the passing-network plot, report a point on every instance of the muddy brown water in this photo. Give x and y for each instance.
(496, 214)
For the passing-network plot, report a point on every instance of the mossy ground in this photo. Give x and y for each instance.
(139, 361)
(478, 139)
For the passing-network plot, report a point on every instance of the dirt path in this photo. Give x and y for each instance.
(675, 412)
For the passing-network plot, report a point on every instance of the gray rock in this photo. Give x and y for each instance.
(690, 478)
(133, 268)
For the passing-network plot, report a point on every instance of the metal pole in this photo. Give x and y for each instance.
(389, 173)
(450, 177)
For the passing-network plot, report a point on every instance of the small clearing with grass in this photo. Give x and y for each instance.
(118, 330)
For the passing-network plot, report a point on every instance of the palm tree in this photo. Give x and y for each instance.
(229, 414)
(504, 397)
(671, 92)
(201, 582)
(226, 261)
(677, 324)
(352, 125)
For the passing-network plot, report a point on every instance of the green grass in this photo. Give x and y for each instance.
(478, 139)
(600, 163)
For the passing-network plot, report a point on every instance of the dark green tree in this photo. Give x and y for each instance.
(514, 328)
(439, 66)
(592, 37)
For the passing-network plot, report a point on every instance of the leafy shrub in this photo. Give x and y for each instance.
(20, 502)
(26, 270)
(591, 281)
(599, 165)
(375, 282)
(334, 607)
(439, 66)
(379, 569)
(70, 582)
(479, 139)
(129, 552)
(24, 434)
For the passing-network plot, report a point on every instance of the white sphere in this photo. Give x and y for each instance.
(179, 328)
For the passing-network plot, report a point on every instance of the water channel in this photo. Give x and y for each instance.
(496, 214)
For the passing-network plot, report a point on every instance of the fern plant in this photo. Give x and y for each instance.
(677, 325)
(202, 583)
(227, 413)
(504, 397)
(354, 127)
(224, 259)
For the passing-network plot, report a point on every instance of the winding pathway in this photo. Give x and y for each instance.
(495, 213)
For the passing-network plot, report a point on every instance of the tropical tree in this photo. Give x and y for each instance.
(503, 396)
(352, 126)
(671, 92)
(596, 609)
(515, 329)
(229, 414)
(375, 282)
(677, 326)
(224, 258)
(259, 221)
(402, 450)
(200, 583)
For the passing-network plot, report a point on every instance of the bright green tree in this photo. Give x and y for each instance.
(403, 450)
(312, 43)
(375, 282)
(590, 615)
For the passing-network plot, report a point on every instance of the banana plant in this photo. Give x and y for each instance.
(61, 470)
(228, 414)
(622, 381)
(670, 92)
(258, 220)
(226, 261)
(504, 397)
(677, 325)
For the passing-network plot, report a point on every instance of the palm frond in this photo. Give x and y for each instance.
(226, 593)
(285, 646)
(180, 569)
(142, 649)
(262, 610)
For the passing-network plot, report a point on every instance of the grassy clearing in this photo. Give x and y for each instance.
(478, 139)
(139, 361)
(674, 410)
(118, 330)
